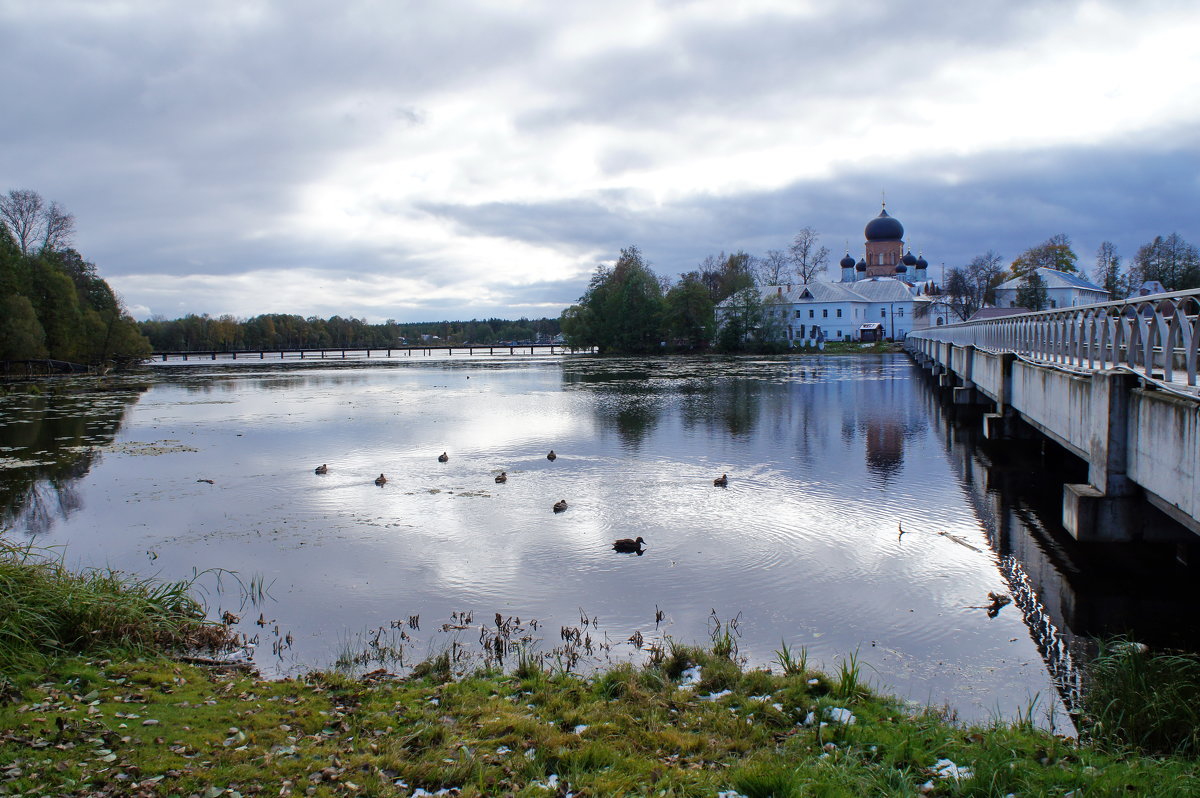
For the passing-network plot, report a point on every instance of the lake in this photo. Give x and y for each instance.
(209, 468)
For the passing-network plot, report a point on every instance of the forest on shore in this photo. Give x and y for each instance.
(53, 303)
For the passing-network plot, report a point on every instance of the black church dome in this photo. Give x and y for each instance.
(884, 228)
(921, 262)
(861, 266)
(847, 262)
(908, 259)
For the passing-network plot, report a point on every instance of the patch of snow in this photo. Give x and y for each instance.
(716, 696)
(948, 770)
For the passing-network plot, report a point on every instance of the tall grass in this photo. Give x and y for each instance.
(47, 609)
(1142, 700)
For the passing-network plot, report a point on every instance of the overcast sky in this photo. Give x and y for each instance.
(432, 160)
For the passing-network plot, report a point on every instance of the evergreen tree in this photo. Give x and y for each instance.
(1032, 292)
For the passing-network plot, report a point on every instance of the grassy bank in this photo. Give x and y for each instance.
(96, 718)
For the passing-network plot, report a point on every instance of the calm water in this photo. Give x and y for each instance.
(826, 457)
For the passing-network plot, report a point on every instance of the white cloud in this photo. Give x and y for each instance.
(343, 146)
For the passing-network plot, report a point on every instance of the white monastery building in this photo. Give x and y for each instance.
(884, 295)
(1063, 290)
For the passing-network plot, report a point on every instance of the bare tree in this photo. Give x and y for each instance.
(773, 267)
(21, 210)
(33, 224)
(59, 226)
(971, 287)
(808, 258)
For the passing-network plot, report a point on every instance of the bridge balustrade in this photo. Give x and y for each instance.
(1157, 336)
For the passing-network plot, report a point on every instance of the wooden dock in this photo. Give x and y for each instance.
(343, 353)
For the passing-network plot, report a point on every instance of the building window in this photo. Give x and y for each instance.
(839, 311)
(883, 313)
(900, 312)
(941, 321)
(1053, 303)
(824, 313)
(810, 313)
(839, 333)
(801, 330)
(797, 314)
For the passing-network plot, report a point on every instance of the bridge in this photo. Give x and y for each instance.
(342, 352)
(1114, 383)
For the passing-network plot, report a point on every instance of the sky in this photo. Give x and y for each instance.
(462, 159)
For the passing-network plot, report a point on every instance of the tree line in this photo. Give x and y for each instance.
(194, 333)
(1168, 260)
(53, 303)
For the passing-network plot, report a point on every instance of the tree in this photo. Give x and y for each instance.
(1171, 261)
(34, 226)
(622, 309)
(689, 313)
(57, 228)
(1108, 271)
(1053, 253)
(808, 257)
(773, 267)
(21, 334)
(1032, 292)
(725, 275)
(740, 320)
(21, 212)
(969, 288)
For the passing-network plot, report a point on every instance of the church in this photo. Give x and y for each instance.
(885, 294)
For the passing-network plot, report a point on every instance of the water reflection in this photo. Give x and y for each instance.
(47, 444)
(825, 456)
(1070, 595)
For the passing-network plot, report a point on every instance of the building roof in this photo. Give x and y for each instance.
(884, 228)
(995, 313)
(1056, 279)
(875, 289)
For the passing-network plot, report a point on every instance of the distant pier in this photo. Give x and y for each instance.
(346, 352)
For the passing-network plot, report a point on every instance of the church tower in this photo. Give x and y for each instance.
(885, 246)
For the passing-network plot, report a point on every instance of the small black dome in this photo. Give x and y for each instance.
(901, 268)
(908, 259)
(862, 265)
(884, 228)
(847, 262)
(921, 262)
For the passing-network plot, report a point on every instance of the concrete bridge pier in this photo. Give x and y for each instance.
(1109, 507)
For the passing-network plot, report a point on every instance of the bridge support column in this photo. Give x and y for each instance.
(1103, 509)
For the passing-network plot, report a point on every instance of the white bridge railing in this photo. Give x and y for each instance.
(1156, 336)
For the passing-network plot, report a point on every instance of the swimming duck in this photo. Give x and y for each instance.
(443, 457)
(628, 545)
(721, 481)
(380, 480)
(552, 456)
(560, 505)
(503, 477)
(322, 469)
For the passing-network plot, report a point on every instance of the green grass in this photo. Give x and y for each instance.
(49, 610)
(131, 722)
(1144, 701)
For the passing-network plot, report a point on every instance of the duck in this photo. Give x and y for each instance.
(322, 469)
(380, 480)
(443, 457)
(503, 477)
(721, 481)
(628, 545)
(552, 456)
(560, 505)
